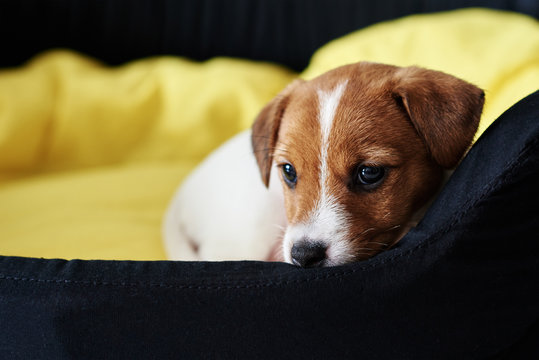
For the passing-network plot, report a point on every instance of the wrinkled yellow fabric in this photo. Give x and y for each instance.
(90, 155)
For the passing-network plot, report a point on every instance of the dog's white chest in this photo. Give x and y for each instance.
(222, 211)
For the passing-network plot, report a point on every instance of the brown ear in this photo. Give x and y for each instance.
(444, 110)
(266, 129)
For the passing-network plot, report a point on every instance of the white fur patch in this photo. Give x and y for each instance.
(327, 225)
(328, 221)
(328, 103)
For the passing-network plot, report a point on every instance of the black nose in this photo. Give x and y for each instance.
(308, 254)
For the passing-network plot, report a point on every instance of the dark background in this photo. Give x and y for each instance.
(282, 31)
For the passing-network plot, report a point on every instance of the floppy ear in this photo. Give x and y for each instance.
(266, 129)
(444, 110)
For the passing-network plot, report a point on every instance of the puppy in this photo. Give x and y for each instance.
(349, 162)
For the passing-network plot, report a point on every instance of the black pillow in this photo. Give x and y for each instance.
(462, 284)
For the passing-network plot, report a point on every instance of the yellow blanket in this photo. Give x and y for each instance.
(90, 155)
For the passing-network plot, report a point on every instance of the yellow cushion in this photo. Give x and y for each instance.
(90, 155)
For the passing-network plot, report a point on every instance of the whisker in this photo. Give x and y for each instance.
(377, 243)
(367, 249)
(282, 229)
(392, 228)
(367, 230)
(383, 246)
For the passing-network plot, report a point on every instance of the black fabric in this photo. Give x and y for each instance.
(282, 31)
(462, 285)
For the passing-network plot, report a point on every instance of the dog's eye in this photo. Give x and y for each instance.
(289, 175)
(370, 175)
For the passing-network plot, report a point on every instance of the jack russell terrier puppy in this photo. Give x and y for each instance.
(349, 162)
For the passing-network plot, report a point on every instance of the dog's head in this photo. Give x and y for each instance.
(360, 149)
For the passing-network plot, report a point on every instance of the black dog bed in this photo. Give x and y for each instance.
(462, 284)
